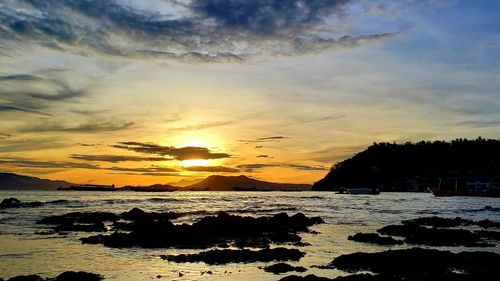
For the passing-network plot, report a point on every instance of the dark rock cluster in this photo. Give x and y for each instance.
(283, 268)
(65, 276)
(16, 203)
(223, 230)
(434, 231)
(238, 256)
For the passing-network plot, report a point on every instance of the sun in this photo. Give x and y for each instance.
(194, 162)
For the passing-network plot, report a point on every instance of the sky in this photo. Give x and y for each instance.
(171, 91)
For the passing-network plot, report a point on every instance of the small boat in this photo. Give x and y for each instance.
(465, 187)
(90, 187)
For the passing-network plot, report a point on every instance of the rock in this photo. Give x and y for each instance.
(495, 235)
(137, 214)
(238, 256)
(423, 264)
(447, 222)
(283, 267)
(26, 278)
(80, 217)
(78, 276)
(16, 203)
(374, 238)
(416, 234)
(156, 231)
(357, 277)
(10, 203)
(65, 276)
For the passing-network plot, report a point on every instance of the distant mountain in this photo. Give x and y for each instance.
(243, 183)
(415, 166)
(10, 181)
(150, 188)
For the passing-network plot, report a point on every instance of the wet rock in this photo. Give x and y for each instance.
(416, 234)
(65, 276)
(78, 221)
(423, 264)
(374, 238)
(80, 217)
(238, 256)
(221, 230)
(137, 214)
(494, 235)
(72, 227)
(490, 208)
(449, 222)
(26, 278)
(78, 276)
(283, 268)
(16, 203)
(356, 277)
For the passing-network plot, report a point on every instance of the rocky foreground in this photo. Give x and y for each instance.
(242, 239)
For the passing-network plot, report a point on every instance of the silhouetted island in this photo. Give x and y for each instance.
(417, 166)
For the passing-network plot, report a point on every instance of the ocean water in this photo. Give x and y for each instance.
(22, 251)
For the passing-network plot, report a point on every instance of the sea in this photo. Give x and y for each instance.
(23, 251)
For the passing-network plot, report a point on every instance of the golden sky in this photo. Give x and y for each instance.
(122, 92)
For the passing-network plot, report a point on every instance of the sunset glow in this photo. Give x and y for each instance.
(179, 91)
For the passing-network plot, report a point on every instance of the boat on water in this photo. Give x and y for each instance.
(90, 187)
(466, 187)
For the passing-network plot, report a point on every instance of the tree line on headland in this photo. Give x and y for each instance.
(415, 166)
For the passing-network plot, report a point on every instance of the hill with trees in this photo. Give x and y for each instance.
(414, 166)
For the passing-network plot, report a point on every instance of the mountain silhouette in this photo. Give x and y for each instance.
(10, 181)
(244, 183)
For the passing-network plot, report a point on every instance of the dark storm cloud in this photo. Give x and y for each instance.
(117, 158)
(198, 31)
(89, 127)
(181, 153)
(212, 169)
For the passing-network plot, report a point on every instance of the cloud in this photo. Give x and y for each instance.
(5, 108)
(305, 167)
(89, 127)
(212, 169)
(27, 163)
(24, 145)
(263, 156)
(250, 168)
(4, 136)
(478, 123)
(265, 139)
(202, 126)
(152, 169)
(116, 158)
(196, 31)
(181, 153)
